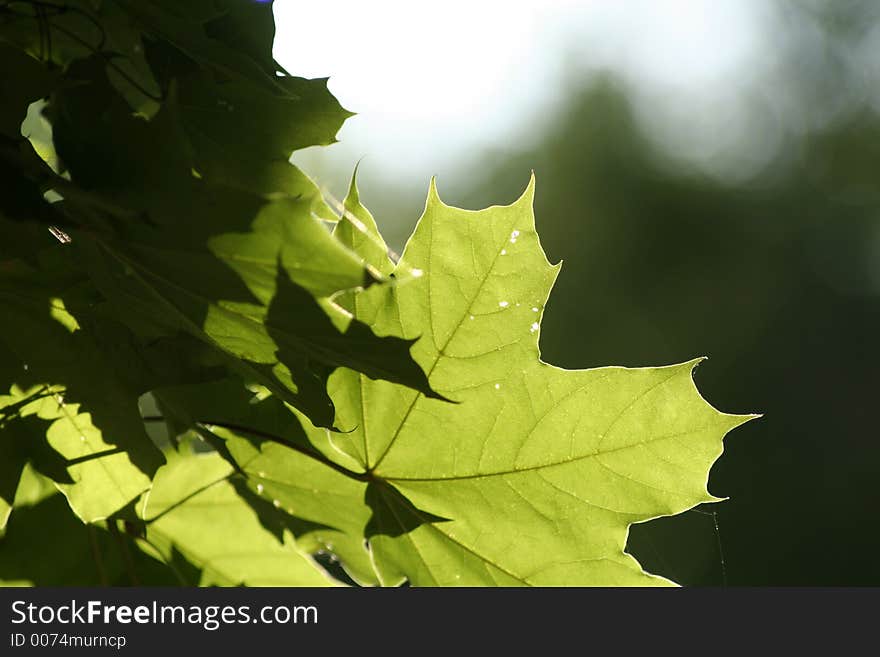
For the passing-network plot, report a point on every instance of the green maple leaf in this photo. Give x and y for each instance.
(536, 474)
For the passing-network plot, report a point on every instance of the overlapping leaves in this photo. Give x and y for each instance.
(534, 475)
(144, 245)
(159, 250)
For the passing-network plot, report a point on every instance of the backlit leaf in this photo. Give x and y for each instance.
(535, 475)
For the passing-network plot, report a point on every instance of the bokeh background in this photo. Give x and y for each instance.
(709, 172)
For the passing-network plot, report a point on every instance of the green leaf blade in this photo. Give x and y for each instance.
(193, 509)
(540, 470)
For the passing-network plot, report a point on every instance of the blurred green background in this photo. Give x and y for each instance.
(762, 252)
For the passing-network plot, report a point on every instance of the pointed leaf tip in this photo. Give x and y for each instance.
(353, 196)
(529, 192)
(433, 194)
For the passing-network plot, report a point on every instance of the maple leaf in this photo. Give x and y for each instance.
(536, 474)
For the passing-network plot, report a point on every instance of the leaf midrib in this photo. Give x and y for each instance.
(553, 464)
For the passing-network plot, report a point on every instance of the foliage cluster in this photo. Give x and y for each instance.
(204, 383)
